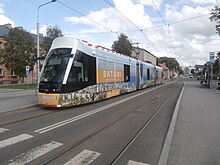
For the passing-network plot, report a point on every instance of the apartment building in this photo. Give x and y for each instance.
(8, 75)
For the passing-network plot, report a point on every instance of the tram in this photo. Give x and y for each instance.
(76, 72)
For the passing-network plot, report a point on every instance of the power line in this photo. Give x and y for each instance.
(153, 27)
(189, 19)
(121, 14)
(167, 27)
(169, 33)
(86, 17)
(158, 12)
(138, 29)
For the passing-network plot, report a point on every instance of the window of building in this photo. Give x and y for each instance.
(1, 72)
(1, 45)
(13, 72)
(126, 73)
(1, 59)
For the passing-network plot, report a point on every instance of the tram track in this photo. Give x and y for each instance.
(27, 111)
(21, 112)
(107, 125)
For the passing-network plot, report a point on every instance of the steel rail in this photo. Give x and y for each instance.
(105, 126)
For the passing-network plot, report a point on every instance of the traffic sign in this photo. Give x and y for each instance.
(27, 71)
(212, 57)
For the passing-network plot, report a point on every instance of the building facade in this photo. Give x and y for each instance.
(167, 73)
(144, 55)
(8, 75)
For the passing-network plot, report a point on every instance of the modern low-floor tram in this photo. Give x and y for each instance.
(75, 72)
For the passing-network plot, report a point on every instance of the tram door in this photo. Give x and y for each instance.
(156, 76)
(137, 76)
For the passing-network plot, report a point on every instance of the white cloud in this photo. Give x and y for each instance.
(112, 20)
(42, 30)
(158, 3)
(188, 41)
(196, 35)
(4, 19)
(205, 1)
(1, 8)
(200, 25)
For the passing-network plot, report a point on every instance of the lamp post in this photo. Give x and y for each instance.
(38, 41)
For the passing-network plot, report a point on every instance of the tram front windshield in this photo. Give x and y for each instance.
(55, 67)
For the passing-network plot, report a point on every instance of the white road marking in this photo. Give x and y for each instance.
(34, 153)
(62, 123)
(84, 158)
(169, 137)
(3, 130)
(131, 162)
(14, 140)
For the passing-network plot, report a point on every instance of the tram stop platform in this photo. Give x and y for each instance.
(196, 135)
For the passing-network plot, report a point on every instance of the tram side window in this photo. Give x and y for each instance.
(148, 74)
(83, 69)
(126, 73)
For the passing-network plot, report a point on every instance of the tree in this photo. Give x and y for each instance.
(192, 71)
(180, 71)
(18, 52)
(216, 67)
(171, 63)
(216, 18)
(52, 33)
(122, 45)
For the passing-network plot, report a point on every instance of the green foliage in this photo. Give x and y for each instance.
(216, 67)
(171, 63)
(19, 86)
(216, 18)
(122, 45)
(192, 71)
(18, 52)
(52, 33)
(180, 71)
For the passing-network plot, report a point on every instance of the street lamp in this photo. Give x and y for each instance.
(38, 42)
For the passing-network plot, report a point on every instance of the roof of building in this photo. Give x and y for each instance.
(145, 51)
(4, 30)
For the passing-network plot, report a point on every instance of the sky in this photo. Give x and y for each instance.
(179, 29)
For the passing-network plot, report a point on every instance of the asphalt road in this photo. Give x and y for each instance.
(16, 98)
(123, 130)
(129, 129)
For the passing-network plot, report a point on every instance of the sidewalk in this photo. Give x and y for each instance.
(196, 139)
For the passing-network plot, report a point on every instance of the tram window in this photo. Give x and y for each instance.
(126, 73)
(148, 74)
(83, 69)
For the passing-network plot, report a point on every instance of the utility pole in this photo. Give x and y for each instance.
(218, 64)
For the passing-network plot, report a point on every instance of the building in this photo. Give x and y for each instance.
(167, 73)
(7, 75)
(144, 55)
